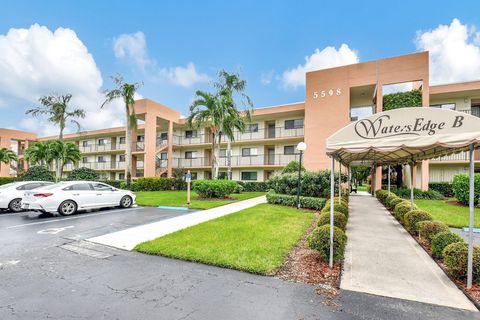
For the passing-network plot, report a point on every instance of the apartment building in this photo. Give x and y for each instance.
(334, 97)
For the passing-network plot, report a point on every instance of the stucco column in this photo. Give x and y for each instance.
(378, 178)
(425, 175)
(4, 167)
(150, 144)
(379, 104)
(25, 163)
(170, 149)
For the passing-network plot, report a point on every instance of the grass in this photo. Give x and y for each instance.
(179, 199)
(255, 240)
(362, 187)
(451, 214)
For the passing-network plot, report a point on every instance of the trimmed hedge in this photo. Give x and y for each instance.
(461, 187)
(320, 240)
(441, 240)
(428, 229)
(419, 194)
(5, 180)
(114, 183)
(455, 257)
(393, 202)
(314, 184)
(445, 188)
(401, 209)
(406, 99)
(83, 174)
(336, 207)
(214, 188)
(413, 217)
(291, 201)
(381, 195)
(38, 173)
(339, 220)
(253, 186)
(149, 184)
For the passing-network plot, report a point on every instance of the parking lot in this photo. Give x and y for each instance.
(49, 271)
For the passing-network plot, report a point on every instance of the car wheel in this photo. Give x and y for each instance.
(67, 208)
(126, 202)
(15, 205)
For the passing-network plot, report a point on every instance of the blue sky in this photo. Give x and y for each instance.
(176, 48)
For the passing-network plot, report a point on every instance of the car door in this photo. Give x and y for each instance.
(106, 195)
(82, 194)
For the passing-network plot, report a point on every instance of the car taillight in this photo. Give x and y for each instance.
(42, 195)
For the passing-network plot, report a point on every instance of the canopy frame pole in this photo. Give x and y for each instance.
(411, 184)
(374, 178)
(471, 224)
(388, 174)
(332, 203)
(349, 179)
(339, 182)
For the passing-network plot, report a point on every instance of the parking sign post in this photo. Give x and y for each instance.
(188, 179)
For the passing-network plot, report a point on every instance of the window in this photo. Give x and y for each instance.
(252, 127)
(85, 143)
(29, 186)
(140, 138)
(78, 186)
(249, 175)
(222, 175)
(194, 175)
(190, 154)
(190, 134)
(164, 156)
(249, 152)
(357, 113)
(223, 153)
(294, 124)
(447, 106)
(121, 176)
(164, 136)
(84, 160)
(101, 187)
(101, 159)
(122, 140)
(289, 150)
(121, 158)
(101, 142)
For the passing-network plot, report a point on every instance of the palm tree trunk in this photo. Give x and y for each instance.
(229, 160)
(214, 160)
(217, 153)
(128, 138)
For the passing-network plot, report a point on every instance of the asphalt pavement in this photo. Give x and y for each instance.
(49, 271)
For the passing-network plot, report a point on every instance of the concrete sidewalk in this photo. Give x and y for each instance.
(382, 258)
(129, 238)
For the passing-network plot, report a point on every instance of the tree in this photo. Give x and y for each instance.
(56, 108)
(360, 173)
(7, 155)
(292, 166)
(62, 153)
(38, 154)
(126, 92)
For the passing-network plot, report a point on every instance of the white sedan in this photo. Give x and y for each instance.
(67, 198)
(11, 194)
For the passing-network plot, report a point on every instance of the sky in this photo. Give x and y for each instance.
(176, 47)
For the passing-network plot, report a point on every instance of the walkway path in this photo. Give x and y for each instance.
(129, 238)
(382, 258)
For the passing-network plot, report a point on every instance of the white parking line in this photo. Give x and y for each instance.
(75, 217)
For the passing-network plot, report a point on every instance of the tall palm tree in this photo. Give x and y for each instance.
(7, 155)
(125, 91)
(63, 152)
(37, 154)
(56, 107)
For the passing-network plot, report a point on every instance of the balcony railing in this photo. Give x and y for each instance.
(100, 147)
(475, 111)
(462, 156)
(120, 165)
(237, 161)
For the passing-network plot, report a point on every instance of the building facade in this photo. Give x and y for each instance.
(334, 97)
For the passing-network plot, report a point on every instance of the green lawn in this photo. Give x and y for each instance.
(451, 214)
(256, 240)
(179, 199)
(362, 187)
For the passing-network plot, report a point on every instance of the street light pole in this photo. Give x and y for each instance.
(301, 147)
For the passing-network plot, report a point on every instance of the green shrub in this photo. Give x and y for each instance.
(455, 257)
(337, 207)
(381, 195)
(291, 201)
(443, 239)
(214, 188)
(5, 180)
(401, 210)
(393, 201)
(38, 173)
(238, 188)
(320, 240)
(419, 194)
(292, 166)
(251, 186)
(114, 183)
(411, 219)
(314, 184)
(406, 99)
(428, 229)
(152, 184)
(445, 188)
(339, 220)
(179, 182)
(83, 174)
(461, 188)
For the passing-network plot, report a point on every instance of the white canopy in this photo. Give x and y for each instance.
(404, 135)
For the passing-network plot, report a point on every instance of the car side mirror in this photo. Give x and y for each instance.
(114, 189)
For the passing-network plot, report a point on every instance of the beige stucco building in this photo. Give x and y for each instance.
(334, 97)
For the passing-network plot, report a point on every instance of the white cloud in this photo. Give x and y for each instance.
(267, 77)
(133, 48)
(37, 61)
(454, 52)
(327, 58)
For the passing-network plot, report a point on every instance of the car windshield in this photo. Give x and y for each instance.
(11, 184)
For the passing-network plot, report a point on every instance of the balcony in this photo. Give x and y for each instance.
(99, 147)
(96, 166)
(237, 161)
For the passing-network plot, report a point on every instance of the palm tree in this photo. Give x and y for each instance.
(126, 91)
(63, 152)
(7, 155)
(37, 154)
(57, 109)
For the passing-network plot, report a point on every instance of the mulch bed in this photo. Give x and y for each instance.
(304, 265)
